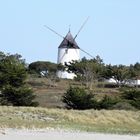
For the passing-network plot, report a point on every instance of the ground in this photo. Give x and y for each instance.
(60, 135)
(49, 94)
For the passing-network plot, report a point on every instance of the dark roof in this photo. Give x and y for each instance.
(68, 42)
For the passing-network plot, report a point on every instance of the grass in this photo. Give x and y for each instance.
(50, 96)
(48, 115)
(107, 121)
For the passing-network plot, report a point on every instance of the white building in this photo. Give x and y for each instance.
(129, 82)
(68, 50)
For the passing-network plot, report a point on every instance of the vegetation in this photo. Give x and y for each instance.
(94, 70)
(89, 74)
(78, 98)
(13, 75)
(106, 121)
(119, 73)
(107, 102)
(43, 68)
(132, 96)
(86, 71)
(87, 91)
(21, 96)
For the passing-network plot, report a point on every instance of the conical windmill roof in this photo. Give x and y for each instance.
(69, 42)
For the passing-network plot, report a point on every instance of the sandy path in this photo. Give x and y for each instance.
(60, 135)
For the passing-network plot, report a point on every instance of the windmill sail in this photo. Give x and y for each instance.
(68, 51)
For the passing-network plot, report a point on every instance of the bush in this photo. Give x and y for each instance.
(107, 102)
(13, 87)
(123, 106)
(78, 98)
(21, 96)
(132, 96)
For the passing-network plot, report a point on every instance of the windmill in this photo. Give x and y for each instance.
(68, 51)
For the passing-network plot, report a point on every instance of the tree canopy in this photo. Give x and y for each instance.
(13, 87)
(86, 70)
(39, 67)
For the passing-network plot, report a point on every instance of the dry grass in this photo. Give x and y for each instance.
(49, 95)
(112, 121)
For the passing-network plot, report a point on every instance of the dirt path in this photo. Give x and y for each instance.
(60, 135)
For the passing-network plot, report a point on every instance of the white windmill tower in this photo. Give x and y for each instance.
(68, 51)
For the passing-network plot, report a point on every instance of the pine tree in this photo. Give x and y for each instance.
(13, 75)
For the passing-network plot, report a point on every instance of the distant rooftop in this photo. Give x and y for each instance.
(69, 42)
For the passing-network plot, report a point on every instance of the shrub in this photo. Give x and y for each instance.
(123, 106)
(132, 96)
(21, 96)
(107, 102)
(78, 98)
(13, 87)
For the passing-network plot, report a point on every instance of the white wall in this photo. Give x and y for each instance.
(67, 55)
(129, 82)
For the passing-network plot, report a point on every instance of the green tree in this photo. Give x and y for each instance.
(78, 98)
(120, 73)
(48, 68)
(13, 75)
(136, 68)
(21, 96)
(107, 102)
(12, 71)
(132, 96)
(88, 71)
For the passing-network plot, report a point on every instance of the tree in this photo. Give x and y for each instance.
(87, 71)
(78, 98)
(12, 71)
(13, 75)
(21, 96)
(120, 73)
(132, 96)
(48, 68)
(135, 71)
(107, 102)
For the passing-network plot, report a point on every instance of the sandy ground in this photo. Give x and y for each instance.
(14, 134)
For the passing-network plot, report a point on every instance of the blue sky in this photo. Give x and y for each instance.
(112, 31)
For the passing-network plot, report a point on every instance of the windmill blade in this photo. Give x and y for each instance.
(71, 43)
(53, 31)
(63, 56)
(74, 38)
(87, 53)
(81, 27)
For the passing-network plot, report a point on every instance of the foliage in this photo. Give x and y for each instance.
(122, 74)
(132, 96)
(78, 98)
(107, 102)
(119, 73)
(21, 96)
(123, 106)
(12, 71)
(101, 121)
(43, 67)
(136, 68)
(13, 75)
(85, 70)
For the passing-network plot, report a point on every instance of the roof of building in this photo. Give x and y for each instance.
(69, 42)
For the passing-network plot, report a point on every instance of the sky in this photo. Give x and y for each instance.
(112, 31)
